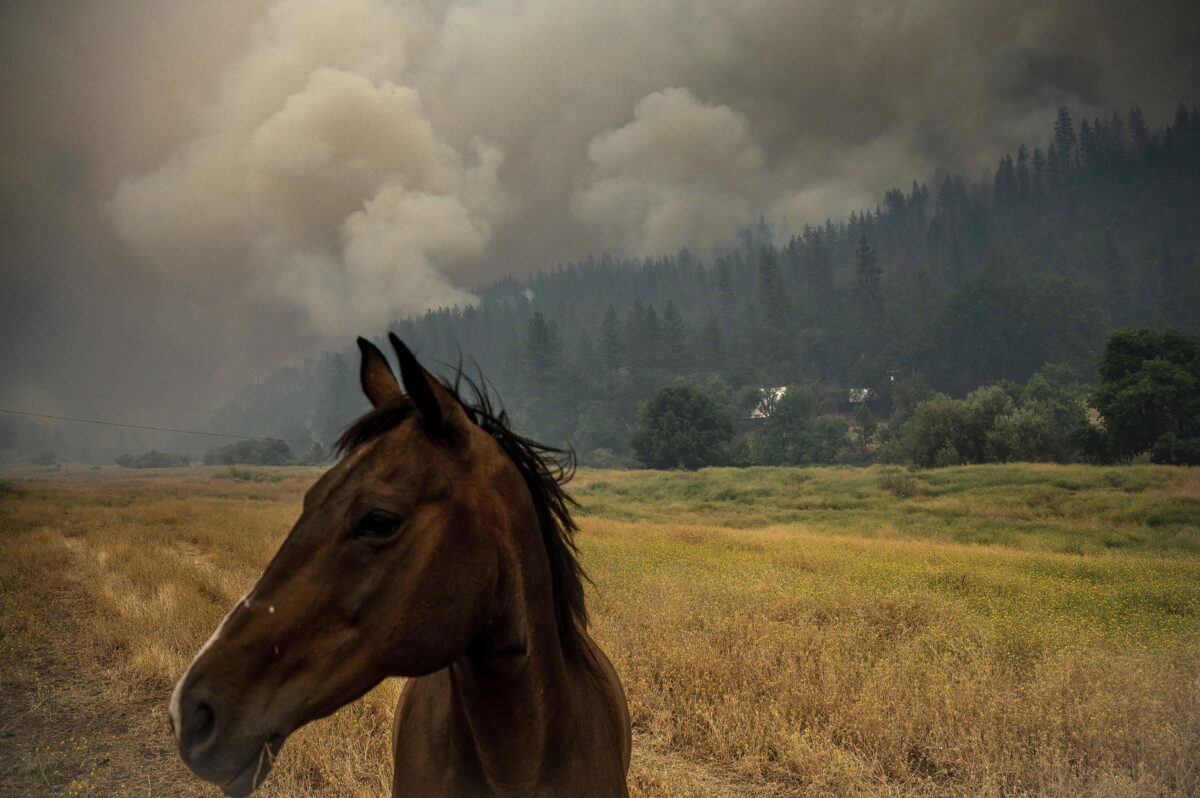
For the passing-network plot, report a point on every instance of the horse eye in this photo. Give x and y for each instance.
(377, 524)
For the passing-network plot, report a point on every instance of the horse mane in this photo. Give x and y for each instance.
(545, 471)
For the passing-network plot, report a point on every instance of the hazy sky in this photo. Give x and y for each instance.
(195, 193)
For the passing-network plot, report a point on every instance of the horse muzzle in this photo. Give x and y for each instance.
(216, 744)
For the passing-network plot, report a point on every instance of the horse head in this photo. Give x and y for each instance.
(391, 570)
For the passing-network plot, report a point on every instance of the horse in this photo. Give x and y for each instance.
(439, 548)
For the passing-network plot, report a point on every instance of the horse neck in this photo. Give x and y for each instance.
(511, 687)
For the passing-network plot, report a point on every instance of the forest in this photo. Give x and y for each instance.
(1010, 283)
(1021, 274)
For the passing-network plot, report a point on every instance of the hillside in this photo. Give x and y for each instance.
(963, 283)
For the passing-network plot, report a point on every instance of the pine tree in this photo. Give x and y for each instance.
(1174, 303)
(867, 275)
(1137, 129)
(611, 351)
(793, 257)
(1054, 165)
(774, 304)
(1064, 138)
(1087, 145)
(710, 346)
(820, 267)
(1183, 122)
(674, 340)
(543, 348)
(1023, 171)
(1118, 140)
(1116, 290)
(771, 293)
(726, 292)
(653, 341)
(957, 265)
(867, 272)
(1005, 182)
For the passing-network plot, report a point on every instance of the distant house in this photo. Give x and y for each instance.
(859, 395)
(766, 404)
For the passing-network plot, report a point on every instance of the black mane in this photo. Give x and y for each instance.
(544, 473)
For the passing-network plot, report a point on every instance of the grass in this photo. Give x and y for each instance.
(1069, 509)
(997, 630)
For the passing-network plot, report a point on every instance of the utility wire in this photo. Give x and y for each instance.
(155, 429)
(150, 404)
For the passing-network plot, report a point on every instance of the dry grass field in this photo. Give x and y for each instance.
(996, 630)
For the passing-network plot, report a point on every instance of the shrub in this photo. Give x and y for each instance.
(1044, 423)
(152, 459)
(901, 485)
(245, 475)
(251, 452)
(45, 458)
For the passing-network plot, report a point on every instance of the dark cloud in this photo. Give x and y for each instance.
(196, 192)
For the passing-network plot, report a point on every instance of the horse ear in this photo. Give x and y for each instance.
(436, 406)
(375, 375)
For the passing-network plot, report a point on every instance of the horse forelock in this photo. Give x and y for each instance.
(374, 423)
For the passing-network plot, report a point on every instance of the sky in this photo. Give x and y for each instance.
(195, 194)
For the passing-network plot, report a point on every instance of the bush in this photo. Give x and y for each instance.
(603, 458)
(244, 475)
(1027, 434)
(901, 485)
(931, 436)
(790, 435)
(822, 442)
(152, 459)
(45, 458)
(1044, 423)
(251, 452)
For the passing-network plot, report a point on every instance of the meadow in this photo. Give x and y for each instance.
(986, 630)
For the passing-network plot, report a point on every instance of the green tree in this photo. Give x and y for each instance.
(1148, 394)
(680, 427)
(611, 350)
(600, 427)
(820, 265)
(868, 274)
(674, 339)
(865, 424)
(543, 348)
(1064, 137)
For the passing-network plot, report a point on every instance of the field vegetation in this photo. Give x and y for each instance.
(985, 630)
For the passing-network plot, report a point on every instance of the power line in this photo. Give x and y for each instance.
(155, 429)
(149, 404)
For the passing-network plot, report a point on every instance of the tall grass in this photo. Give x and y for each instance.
(971, 631)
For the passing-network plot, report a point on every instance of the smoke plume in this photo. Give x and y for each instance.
(275, 175)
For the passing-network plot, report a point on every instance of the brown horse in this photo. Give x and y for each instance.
(440, 548)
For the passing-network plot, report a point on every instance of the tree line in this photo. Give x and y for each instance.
(957, 287)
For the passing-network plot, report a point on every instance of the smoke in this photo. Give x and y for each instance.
(680, 174)
(292, 171)
(360, 156)
(318, 179)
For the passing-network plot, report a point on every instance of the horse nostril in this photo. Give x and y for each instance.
(198, 725)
